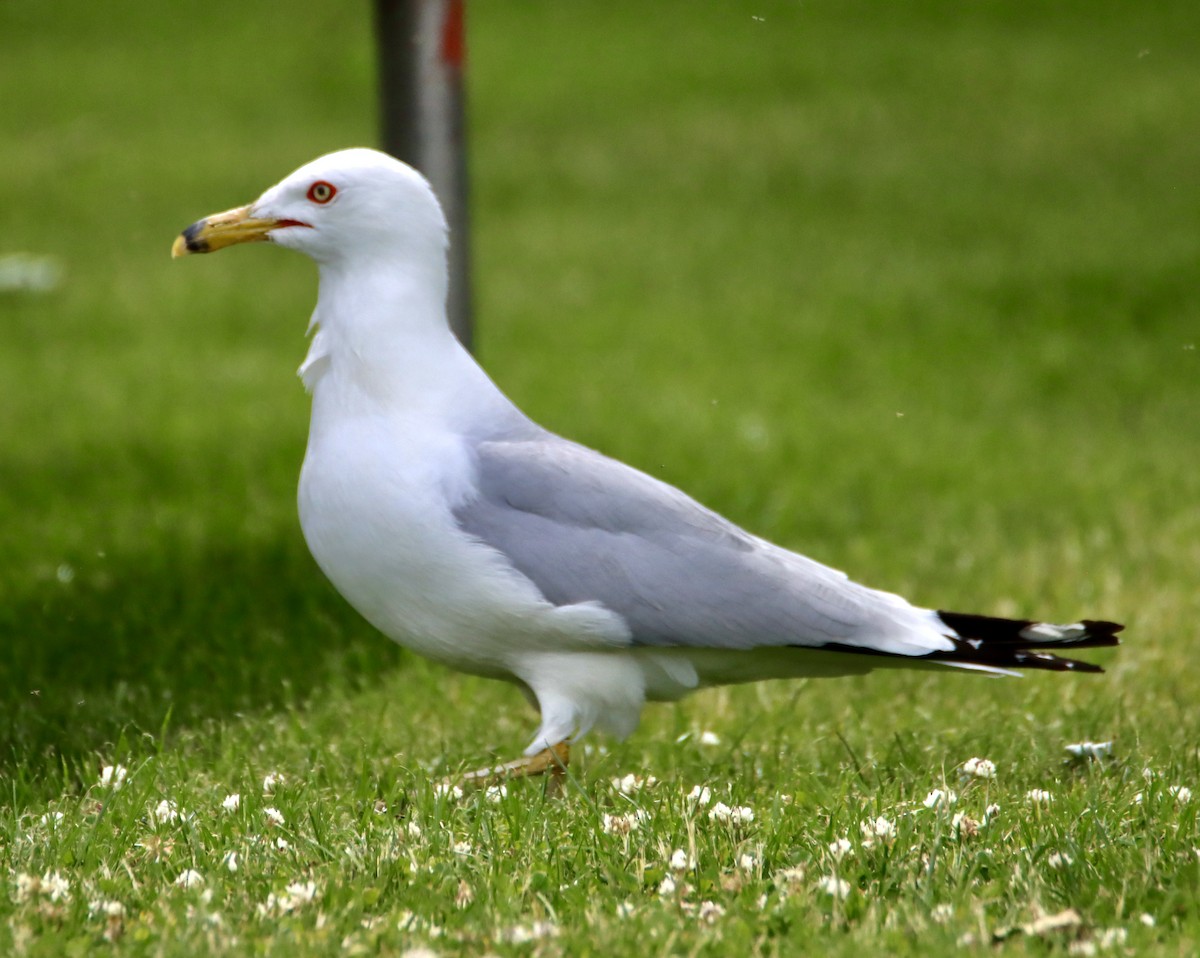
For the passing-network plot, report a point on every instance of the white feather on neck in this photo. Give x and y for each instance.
(383, 345)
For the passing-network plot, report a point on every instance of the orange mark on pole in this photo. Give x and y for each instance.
(454, 39)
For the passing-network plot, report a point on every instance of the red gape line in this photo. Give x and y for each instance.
(454, 40)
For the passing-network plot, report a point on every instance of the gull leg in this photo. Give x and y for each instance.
(552, 761)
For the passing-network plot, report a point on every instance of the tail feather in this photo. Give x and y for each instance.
(1015, 643)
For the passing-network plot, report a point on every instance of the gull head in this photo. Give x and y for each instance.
(343, 208)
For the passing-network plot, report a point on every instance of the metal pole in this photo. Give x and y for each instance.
(422, 57)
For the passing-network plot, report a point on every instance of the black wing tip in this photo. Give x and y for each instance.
(1008, 657)
(1103, 633)
(1051, 663)
(1021, 633)
(998, 643)
(1015, 643)
(963, 653)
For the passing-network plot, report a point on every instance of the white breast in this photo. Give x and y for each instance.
(375, 503)
(376, 521)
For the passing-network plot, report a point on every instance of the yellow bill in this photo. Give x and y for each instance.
(225, 229)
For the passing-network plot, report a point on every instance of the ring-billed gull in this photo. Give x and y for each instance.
(469, 534)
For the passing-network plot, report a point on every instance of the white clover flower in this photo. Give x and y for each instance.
(231, 802)
(719, 812)
(620, 824)
(747, 862)
(1095, 750)
(295, 896)
(1148, 774)
(273, 815)
(624, 909)
(109, 909)
(737, 815)
(520, 934)
(282, 844)
(1147, 919)
(1112, 938)
(1038, 796)
(991, 812)
(834, 886)
(230, 861)
(1138, 798)
(877, 828)
(966, 826)
(840, 848)
(303, 892)
(942, 913)
(710, 912)
(51, 819)
(412, 829)
(165, 812)
(495, 793)
(789, 880)
(667, 886)
(189, 878)
(939, 798)
(272, 781)
(681, 861)
(1059, 860)
(633, 783)
(113, 776)
(700, 795)
(213, 918)
(462, 848)
(979, 768)
(52, 885)
(1182, 793)
(710, 738)
(446, 790)
(28, 886)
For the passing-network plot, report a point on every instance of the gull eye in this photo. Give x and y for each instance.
(321, 192)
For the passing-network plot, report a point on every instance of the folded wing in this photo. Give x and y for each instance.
(583, 527)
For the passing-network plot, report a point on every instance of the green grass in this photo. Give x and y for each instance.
(910, 288)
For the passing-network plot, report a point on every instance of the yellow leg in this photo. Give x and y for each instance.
(552, 761)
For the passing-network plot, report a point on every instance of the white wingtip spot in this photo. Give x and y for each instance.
(1046, 632)
(993, 671)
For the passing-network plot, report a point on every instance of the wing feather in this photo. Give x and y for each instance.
(583, 527)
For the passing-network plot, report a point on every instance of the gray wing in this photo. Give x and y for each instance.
(584, 527)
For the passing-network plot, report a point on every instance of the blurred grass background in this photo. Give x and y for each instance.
(910, 288)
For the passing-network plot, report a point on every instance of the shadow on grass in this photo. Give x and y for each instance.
(195, 636)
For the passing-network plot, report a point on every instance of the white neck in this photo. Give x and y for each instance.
(384, 347)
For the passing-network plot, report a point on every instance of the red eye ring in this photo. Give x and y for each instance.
(322, 192)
